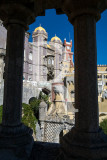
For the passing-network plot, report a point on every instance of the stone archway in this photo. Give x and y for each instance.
(85, 137)
(31, 99)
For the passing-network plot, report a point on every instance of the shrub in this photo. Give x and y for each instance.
(28, 117)
(103, 125)
(44, 97)
(35, 102)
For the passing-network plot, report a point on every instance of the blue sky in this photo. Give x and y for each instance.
(59, 25)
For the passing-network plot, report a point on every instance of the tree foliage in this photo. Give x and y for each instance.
(103, 125)
(35, 102)
(28, 117)
(30, 113)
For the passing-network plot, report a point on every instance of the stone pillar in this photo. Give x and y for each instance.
(16, 139)
(13, 78)
(85, 140)
(86, 96)
(42, 117)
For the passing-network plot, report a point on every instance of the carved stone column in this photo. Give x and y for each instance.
(86, 96)
(16, 140)
(13, 77)
(86, 140)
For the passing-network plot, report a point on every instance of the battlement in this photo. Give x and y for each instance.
(102, 65)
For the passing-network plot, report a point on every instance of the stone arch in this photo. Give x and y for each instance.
(31, 99)
(86, 32)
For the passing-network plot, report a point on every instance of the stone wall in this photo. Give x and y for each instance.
(52, 126)
(53, 129)
(30, 89)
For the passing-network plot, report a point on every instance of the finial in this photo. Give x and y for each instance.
(40, 25)
(55, 35)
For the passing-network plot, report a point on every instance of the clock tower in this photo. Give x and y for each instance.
(68, 54)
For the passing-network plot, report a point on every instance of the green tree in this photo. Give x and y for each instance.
(103, 125)
(44, 97)
(35, 102)
(28, 117)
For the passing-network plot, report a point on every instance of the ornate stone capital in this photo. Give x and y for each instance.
(75, 8)
(16, 13)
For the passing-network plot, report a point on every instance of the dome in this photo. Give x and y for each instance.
(56, 39)
(39, 29)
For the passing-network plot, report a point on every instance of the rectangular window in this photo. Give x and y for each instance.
(30, 67)
(30, 56)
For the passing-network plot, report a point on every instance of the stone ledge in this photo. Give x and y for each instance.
(45, 151)
(84, 145)
(15, 142)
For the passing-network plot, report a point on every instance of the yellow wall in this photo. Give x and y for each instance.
(103, 106)
(101, 68)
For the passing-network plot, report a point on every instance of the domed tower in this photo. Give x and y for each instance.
(56, 42)
(40, 37)
(57, 45)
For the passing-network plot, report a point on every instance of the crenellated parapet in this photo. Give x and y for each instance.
(102, 65)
